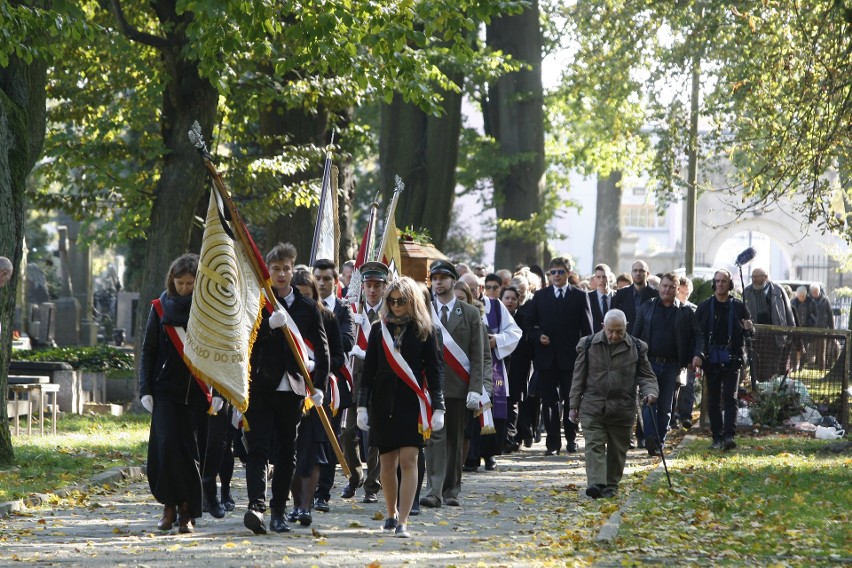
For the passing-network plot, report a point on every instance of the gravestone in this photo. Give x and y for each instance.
(126, 314)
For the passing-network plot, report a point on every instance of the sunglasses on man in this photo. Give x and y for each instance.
(557, 271)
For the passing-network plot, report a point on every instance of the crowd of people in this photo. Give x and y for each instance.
(427, 383)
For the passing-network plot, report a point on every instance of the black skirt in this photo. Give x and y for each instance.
(173, 471)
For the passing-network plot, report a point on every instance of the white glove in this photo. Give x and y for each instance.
(217, 403)
(278, 319)
(361, 319)
(437, 420)
(310, 365)
(473, 399)
(317, 397)
(362, 420)
(148, 402)
(358, 352)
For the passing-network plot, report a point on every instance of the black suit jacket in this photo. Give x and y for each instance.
(597, 315)
(271, 357)
(623, 300)
(563, 321)
(688, 339)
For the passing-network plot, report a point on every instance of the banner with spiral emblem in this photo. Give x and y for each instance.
(226, 310)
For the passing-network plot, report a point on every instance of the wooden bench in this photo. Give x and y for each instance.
(29, 385)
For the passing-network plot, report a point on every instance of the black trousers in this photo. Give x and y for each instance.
(273, 420)
(554, 388)
(326, 478)
(722, 383)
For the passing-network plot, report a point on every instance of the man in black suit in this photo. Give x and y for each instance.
(325, 272)
(278, 391)
(629, 298)
(558, 316)
(600, 299)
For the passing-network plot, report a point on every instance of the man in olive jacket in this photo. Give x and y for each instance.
(610, 364)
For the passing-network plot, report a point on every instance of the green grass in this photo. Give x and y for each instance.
(774, 497)
(84, 446)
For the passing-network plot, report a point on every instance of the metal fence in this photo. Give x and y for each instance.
(813, 363)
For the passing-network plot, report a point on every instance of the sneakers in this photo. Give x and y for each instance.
(293, 515)
(390, 524)
(402, 532)
(305, 518)
(370, 497)
(728, 443)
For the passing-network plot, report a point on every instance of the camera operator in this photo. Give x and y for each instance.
(724, 321)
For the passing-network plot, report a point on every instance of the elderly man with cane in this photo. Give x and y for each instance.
(610, 364)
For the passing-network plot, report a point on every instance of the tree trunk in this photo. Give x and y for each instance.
(515, 118)
(423, 151)
(608, 221)
(22, 124)
(187, 98)
(297, 127)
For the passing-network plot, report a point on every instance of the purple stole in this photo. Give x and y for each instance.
(498, 370)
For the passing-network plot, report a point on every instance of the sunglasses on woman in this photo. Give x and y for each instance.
(397, 301)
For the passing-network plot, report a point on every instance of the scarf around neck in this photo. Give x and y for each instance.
(175, 309)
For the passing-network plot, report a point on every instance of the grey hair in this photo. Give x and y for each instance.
(615, 314)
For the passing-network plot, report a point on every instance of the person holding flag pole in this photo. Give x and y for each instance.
(231, 278)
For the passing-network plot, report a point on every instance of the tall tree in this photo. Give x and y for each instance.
(30, 32)
(514, 112)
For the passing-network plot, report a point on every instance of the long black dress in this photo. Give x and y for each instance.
(393, 406)
(180, 405)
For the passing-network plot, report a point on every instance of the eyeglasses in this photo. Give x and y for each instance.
(397, 301)
(557, 271)
(492, 286)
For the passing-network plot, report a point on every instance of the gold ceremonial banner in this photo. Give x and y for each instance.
(226, 312)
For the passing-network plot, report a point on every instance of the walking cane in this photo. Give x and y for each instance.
(660, 442)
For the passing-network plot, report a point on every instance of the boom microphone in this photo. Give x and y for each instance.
(746, 256)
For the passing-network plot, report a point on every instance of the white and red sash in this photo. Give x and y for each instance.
(177, 335)
(404, 372)
(486, 416)
(363, 330)
(454, 355)
(303, 346)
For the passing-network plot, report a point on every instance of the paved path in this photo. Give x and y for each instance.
(507, 518)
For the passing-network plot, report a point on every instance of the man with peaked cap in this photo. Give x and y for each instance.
(374, 279)
(460, 325)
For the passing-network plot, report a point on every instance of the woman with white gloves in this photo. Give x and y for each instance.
(401, 395)
(178, 403)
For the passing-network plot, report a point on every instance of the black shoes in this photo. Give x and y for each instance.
(253, 520)
(728, 443)
(321, 505)
(572, 447)
(451, 502)
(305, 518)
(227, 500)
(686, 424)
(594, 491)
(716, 445)
(349, 491)
(470, 468)
(370, 497)
(293, 515)
(490, 464)
(608, 491)
(652, 446)
(551, 453)
(277, 523)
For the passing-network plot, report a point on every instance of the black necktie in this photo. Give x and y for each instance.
(371, 315)
(559, 294)
(604, 304)
(444, 314)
